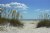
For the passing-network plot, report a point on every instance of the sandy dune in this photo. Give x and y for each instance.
(29, 27)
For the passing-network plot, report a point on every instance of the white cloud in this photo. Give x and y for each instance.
(15, 5)
(37, 10)
(42, 10)
(25, 12)
(2, 4)
(47, 10)
(18, 5)
(7, 5)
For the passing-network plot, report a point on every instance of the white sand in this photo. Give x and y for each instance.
(29, 27)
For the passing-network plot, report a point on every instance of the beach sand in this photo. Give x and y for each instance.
(29, 27)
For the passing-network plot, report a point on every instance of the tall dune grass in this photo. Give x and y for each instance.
(43, 23)
(13, 22)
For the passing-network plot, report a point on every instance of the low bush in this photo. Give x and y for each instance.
(15, 23)
(43, 23)
(2, 21)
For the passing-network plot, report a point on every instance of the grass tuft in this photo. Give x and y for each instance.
(13, 22)
(43, 23)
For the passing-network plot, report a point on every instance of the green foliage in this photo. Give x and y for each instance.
(2, 20)
(44, 23)
(13, 22)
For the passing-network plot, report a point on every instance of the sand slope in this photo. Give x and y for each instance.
(29, 27)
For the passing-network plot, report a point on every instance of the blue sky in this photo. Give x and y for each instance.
(35, 7)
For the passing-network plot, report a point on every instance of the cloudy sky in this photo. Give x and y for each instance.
(30, 9)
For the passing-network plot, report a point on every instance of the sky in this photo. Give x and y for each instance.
(30, 9)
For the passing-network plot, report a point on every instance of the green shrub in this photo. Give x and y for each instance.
(15, 23)
(2, 21)
(43, 23)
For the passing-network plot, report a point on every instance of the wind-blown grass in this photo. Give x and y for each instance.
(13, 22)
(43, 23)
